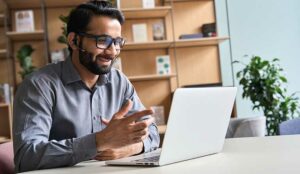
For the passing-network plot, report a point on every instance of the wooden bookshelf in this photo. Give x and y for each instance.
(5, 122)
(162, 129)
(25, 36)
(62, 3)
(143, 13)
(3, 53)
(4, 139)
(199, 42)
(148, 45)
(185, 0)
(151, 77)
(21, 4)
(195, 61)
(2, 17)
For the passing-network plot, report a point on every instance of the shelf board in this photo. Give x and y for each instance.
(4, 139)
(139, 13)
(179, 43)
(148, 45)
(150, 77)
(2, 17)
(2, 55)
(26, 36)
(162, 129)
(20, 4)
(200, 42)
(63, 3)
(185, 0)
(4, 105)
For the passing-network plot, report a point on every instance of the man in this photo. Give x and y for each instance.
(61, 112)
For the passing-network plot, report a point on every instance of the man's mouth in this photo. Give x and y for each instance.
(104, 59)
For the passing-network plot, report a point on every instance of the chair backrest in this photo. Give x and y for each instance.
(290, 127)
(247, 127)
(6, 158)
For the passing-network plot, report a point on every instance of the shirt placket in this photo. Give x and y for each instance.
(96, 117)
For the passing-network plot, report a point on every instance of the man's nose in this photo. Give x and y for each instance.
(111, 50)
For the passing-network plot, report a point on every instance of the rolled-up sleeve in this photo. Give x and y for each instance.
(33, 107)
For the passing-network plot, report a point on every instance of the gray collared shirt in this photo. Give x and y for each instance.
(56, 116)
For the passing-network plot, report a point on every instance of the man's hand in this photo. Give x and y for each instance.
(122, 131)
(126, 151)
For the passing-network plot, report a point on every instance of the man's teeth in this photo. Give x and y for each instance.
(104, 59)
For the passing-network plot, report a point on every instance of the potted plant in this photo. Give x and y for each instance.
(264, 84)
(25, 60)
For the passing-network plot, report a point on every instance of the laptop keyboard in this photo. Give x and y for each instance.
(149, 159)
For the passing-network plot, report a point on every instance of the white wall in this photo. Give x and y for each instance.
(267, 28)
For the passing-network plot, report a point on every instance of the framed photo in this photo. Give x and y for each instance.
(158, 30)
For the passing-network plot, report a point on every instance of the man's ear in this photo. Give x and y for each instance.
(72, 40)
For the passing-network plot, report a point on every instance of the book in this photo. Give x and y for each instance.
(148, 3)
(24, 21)
(158, 30)
(59, 55)
(191, 36)
(117, 64)
(158, 114)
(163, 66)
(5, 93)
(140, 33)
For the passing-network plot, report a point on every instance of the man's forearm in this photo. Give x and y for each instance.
(41, 155)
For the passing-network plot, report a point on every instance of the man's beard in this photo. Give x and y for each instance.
(86, 59)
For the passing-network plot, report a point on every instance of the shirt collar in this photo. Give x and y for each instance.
(71, 75)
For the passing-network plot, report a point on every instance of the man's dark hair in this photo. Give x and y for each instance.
(81, 16)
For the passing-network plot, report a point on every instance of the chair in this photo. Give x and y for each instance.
(246, 127)
(290, 127)
(6, 158)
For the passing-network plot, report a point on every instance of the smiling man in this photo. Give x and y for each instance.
(79, 109)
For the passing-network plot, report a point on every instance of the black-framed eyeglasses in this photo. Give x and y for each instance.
(105, 41)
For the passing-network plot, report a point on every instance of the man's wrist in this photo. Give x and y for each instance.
(101, 141)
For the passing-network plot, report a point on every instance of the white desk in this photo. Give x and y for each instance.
(268, 155)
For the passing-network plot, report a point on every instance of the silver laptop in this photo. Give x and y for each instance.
(197, 125)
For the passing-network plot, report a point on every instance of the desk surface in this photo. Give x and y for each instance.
(276, 155)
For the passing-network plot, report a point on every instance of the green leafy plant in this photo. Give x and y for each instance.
(25, 60)
(264, 84)
(63, 38)
(113, 2)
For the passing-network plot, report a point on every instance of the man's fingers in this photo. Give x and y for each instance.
(142, 124)
(144, 137)
(104, 158)
(106, 155)
(105, 152)
(140, 133)
(124, 110)
(138, 115)
(104, 121)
